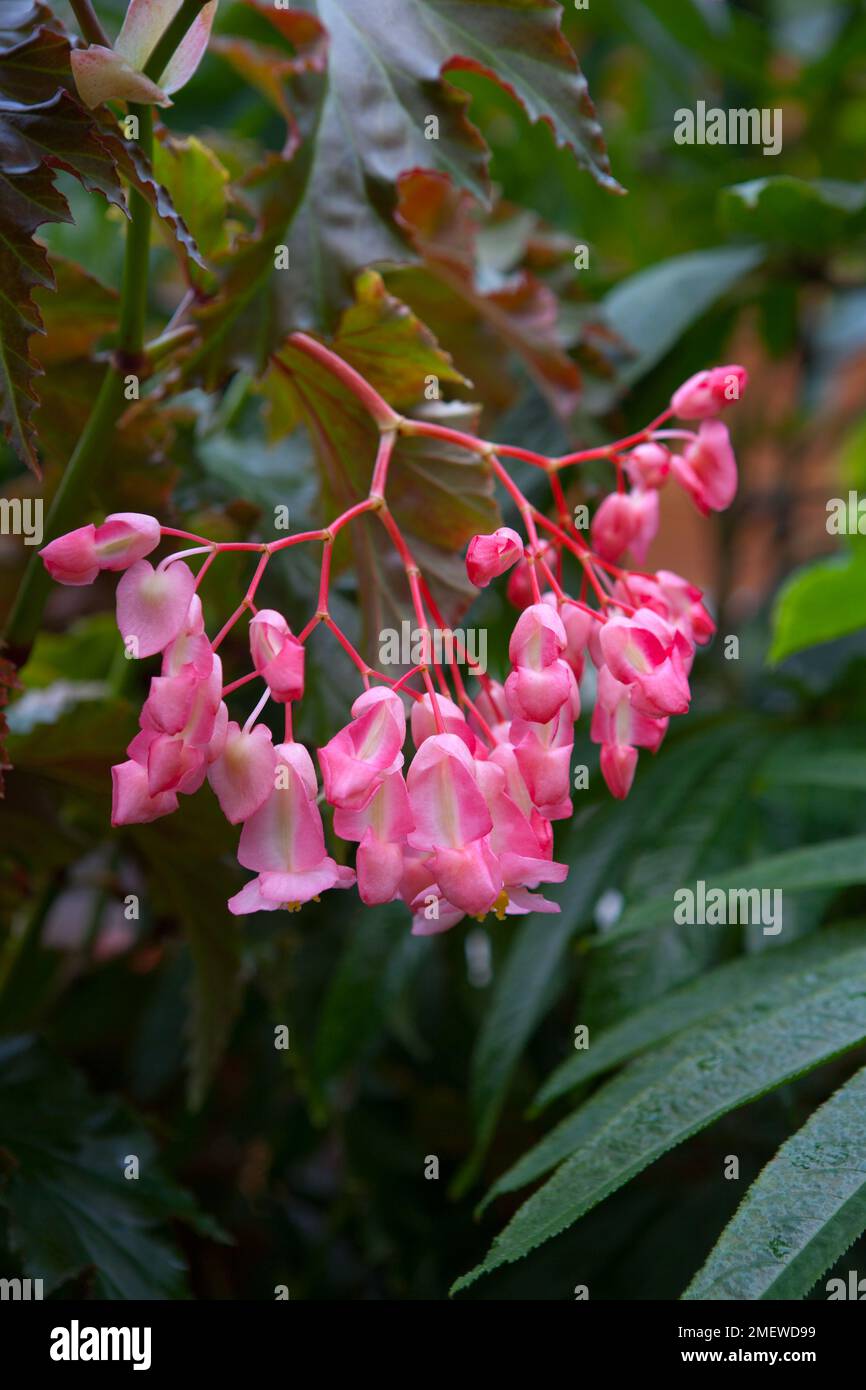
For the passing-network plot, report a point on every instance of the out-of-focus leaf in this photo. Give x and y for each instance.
(517, 309)
(824, 601)
(176, 848)
(71, 1209)
(650, 310)
(197, 183)
(802, 1212)
(662, 1099)
(806, 214)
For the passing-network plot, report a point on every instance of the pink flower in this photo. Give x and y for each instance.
(707, 469)
(490, 556)
(122, 539)
(277, 655)
(131, 801)
(284, 842)
(183, 727)
(152, 605)
(357, 760)
(117, 74)
(543, 754)
(452, 822)
(706, 393)
(243, 775)
(644, 651)
(191, 646)
(523, 857)
(541, 682)
(673, 598)
(615, 720)
(618, 764)
(381, 829)
(625, 520)
(648, 465)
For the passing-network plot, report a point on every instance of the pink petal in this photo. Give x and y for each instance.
(243, 776)
(101, 74)
(71, 559)
(152, 605)
(131, 802)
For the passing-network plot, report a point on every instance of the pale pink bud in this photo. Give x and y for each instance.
(706, 393)
(490, 556)
(277, 655)
(71, 559)
(648, 465)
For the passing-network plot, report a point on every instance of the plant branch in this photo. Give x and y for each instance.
(89, 24)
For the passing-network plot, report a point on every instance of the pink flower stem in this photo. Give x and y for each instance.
(242, 680)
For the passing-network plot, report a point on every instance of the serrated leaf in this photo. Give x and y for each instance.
(832, 864)
(819, 603)
(71, 1209)
(356, 128)
(536, 961)
(801, 1213)
(741, 979)
(516, 309)
(664, 1098)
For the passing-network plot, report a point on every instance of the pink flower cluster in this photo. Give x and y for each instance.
(467, 826)
(706, 467)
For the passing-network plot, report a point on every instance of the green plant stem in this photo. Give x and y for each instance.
(85, 465)
(176, 31)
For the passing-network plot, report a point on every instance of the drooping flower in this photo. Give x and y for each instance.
(152, 605)
(648, 465)
(117, 74)
(357, 760)
(123, 538)
(283, 841)
(243, 775)
(452, 822)
(625, 521)
(644, 651)
(707, 468)
(706, 393)
(490, 556)
(380, 828)
(540, 682)
(277, 655)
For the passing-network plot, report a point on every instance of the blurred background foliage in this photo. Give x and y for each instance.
(305, 1167)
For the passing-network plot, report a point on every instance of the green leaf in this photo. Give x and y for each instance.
(742, 980)
(664, 1098)
(197, 835)
(652, 309)
(802, 1212)
(819, 603)
(71, 1210)
(375, 964)
(197, 184)
(832, 864)
(355, 124)
(806, 214)
(843, 770)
